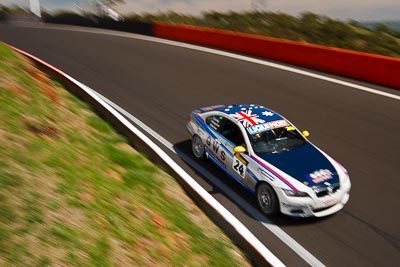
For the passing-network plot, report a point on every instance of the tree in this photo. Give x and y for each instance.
(380, 27)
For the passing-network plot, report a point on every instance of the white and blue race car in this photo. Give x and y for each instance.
(266, 154)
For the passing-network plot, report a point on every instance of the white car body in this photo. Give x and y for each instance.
(322, 190)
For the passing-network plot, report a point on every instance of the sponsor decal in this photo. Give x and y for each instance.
(258, 128)
(321, 175)
(216, 160)
(278, 124)
(214, 124)
(214, 146)
(330, 202)
(241, 158)
(265, 174)
(239, 167)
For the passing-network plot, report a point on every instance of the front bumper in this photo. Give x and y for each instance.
(314, 206)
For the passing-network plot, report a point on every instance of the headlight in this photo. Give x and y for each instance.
(292, 193)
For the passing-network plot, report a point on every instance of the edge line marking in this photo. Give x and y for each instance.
(267, 223)
(229, 217)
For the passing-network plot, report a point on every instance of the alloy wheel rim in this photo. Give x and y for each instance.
(197, 147)
(265, 199)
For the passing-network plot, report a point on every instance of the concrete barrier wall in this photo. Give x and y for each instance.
(363, 66)
(132, 26)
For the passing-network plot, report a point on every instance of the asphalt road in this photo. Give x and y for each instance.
(161, 84)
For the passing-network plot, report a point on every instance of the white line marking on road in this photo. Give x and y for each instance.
(278, 232)
(228, 54)
(232, 220)
(229, 217)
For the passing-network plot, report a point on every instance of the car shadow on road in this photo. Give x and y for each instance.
(236, 196)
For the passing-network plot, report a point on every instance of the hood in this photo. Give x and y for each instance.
(306, 164)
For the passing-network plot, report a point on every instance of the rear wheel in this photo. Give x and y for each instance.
(267, 199)
(198, 147)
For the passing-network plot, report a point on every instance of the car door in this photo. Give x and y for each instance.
(237, 163)
(215, 143)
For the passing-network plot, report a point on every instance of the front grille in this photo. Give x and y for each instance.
(325, 191)
(296, 211)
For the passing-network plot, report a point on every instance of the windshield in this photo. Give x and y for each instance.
(276, 140)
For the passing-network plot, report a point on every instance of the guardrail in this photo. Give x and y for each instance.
(363, 66)
(357, 65)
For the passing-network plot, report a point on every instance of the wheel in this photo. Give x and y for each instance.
(267, 199)
(198, 147)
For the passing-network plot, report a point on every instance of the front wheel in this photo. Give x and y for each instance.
(267, 199)
(198, 147)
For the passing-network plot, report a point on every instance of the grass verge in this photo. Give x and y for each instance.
(73, 193)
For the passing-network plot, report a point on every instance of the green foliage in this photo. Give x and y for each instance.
(99, 124)
(8, 179)
(99, 255)
(82, 196)
(308, 27)
(43, 262)
(381, 28)
(14, 9)
(120, 157)
(7, 214)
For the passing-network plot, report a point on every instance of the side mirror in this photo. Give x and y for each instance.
(305, 133)
(239, 149)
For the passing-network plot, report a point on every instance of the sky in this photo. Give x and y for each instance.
(361, 10)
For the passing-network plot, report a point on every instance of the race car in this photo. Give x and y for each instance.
(271, 158)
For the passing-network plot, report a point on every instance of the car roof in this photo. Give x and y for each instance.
(260, 114)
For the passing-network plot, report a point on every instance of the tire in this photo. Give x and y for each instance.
(267, 199)
(198, 147)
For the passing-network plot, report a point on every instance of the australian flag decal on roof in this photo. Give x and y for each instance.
(247, 118)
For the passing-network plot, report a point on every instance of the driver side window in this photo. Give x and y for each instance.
(227, 128)
(232, 132)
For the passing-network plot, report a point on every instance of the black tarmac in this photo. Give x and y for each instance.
(161, 84)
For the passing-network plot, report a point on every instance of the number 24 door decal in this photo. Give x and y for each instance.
(239, 167)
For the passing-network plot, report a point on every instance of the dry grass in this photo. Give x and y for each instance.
(73, 193)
